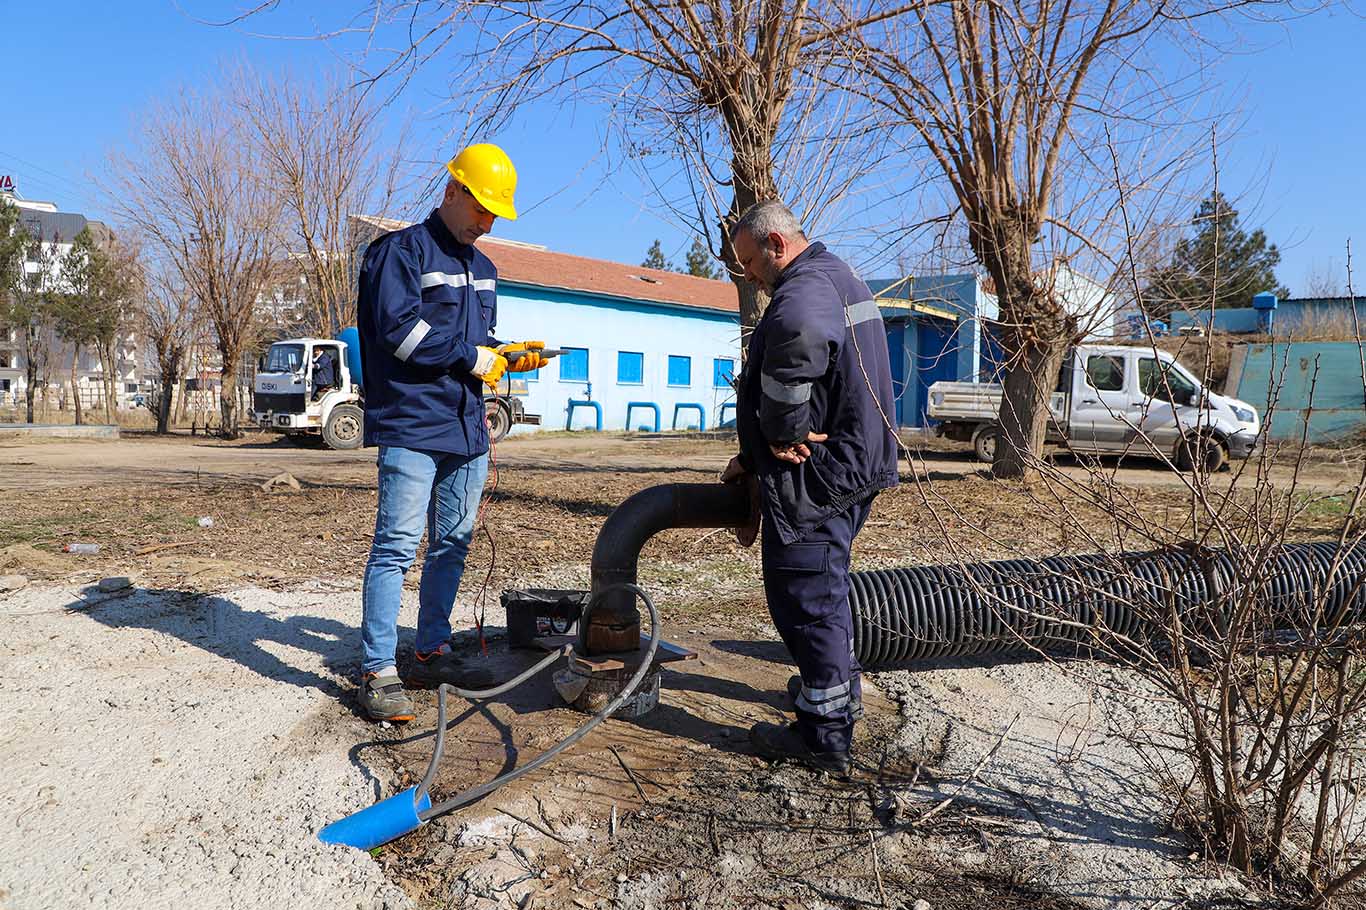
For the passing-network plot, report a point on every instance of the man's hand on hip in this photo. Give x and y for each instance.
(797, 452)
(524, 356)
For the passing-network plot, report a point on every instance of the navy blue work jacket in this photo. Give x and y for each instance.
(817, 361)
(425, 303)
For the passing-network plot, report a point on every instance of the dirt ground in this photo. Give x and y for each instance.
(265, 600)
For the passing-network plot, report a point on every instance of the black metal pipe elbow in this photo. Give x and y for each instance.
(614, 624)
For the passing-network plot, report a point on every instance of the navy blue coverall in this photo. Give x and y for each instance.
(817, 362)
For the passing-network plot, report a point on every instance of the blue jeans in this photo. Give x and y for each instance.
(417, 489)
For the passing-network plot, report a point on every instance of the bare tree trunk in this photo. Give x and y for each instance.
(170, 376)
(31, 383)
(227, 396)
(75, 388)
(1024, 409)
(752, 300)
(180, 394)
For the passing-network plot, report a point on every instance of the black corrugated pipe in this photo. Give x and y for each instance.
(903, 615)
(1015, 605)
(615, 623)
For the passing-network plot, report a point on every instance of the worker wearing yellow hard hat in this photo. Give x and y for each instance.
(487, 172)
(427, 309)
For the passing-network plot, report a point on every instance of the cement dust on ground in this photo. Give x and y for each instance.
(185, 740)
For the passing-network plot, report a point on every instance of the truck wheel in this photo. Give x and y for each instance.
(984, 443)
(500, 419)
(1202, 449)
(345, 427)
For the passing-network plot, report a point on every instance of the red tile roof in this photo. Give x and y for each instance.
(526, 264)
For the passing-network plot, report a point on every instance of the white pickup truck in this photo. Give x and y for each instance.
(1112, 400)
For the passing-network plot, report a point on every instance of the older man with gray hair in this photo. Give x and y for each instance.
(817, 441)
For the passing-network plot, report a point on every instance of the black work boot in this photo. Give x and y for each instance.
(794, 688)
(443, 666)
(778, 742)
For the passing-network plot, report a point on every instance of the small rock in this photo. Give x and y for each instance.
(12, 582)
(921, 904)
(115, 583)
(621, 878)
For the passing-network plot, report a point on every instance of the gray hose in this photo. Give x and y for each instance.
(474, 793)
(475, 694)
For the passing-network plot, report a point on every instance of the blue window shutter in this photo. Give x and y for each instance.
(574, 364)
(630, 367)
(722, 372)
(680, 370)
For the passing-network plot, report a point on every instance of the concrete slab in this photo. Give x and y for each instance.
(57, 430)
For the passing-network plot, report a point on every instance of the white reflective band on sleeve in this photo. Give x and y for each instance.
(432, 279)
(414, 338)
(795, 393)
(858, 313)
(824, 708)
(484, 284)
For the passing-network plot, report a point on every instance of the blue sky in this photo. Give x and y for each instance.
(77, 79)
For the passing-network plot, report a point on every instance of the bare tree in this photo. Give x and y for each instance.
(194, 189)
(319, 142)
(724, 97)
(167, 321)
(1011, 101)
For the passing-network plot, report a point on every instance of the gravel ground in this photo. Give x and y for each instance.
(169, 750)
(1074, 805)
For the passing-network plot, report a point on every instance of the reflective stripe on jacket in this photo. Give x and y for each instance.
(817, 362)
(425, 303)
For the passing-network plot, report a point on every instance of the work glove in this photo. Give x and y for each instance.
(524, 356)
(489, 366)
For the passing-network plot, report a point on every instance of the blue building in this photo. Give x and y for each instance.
(934, 332)
(1294, 318)
(663, 344)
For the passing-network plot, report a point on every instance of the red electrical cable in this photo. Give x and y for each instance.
(481, 600)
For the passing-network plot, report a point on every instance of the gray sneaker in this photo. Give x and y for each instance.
(383, 698)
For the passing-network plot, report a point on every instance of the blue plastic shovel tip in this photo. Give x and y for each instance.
(386, 820)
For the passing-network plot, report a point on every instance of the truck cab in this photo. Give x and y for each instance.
(289, 397)
(1113, 399)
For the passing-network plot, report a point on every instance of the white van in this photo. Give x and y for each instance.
(1113, 400)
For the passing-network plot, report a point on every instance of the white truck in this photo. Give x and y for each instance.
(1112, 400)
(287, 400)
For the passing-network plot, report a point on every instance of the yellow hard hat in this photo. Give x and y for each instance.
(487, 172)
